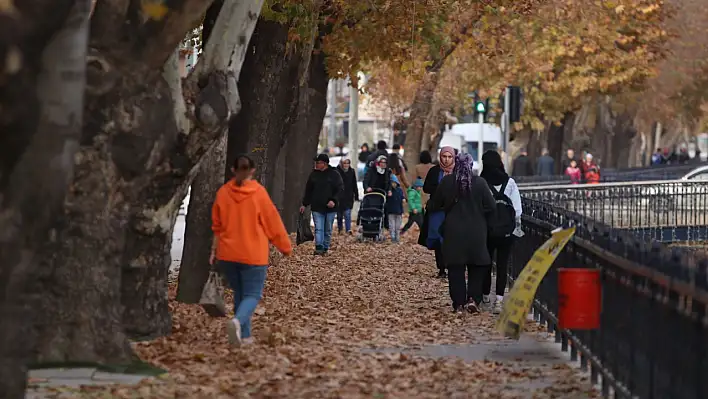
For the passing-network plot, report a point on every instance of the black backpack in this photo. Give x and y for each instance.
(503, 223)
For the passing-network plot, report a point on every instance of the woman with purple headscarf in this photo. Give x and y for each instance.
(468, 205)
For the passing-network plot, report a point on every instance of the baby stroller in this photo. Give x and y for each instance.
(371, 216)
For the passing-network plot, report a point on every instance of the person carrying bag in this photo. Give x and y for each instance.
(245, 221)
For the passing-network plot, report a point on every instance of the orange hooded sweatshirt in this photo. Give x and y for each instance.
(245, 219)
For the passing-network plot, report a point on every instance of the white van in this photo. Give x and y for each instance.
(464, 137)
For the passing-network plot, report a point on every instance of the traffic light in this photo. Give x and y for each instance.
(481, 107)
(516, 102)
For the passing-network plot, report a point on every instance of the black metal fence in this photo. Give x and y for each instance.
(668, 211)
(662, 172)
(653, 338)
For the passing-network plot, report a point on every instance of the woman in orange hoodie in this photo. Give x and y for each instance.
(245, 221)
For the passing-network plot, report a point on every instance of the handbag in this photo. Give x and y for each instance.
(304, 231)
(212, 299)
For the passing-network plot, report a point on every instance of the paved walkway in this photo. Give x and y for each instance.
(367, 320)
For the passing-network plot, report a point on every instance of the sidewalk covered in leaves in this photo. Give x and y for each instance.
(367, 320)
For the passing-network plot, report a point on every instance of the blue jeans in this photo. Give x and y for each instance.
(323, 229)
(347, 216)
(247, 283)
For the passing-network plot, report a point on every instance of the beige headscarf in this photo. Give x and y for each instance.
(447, 169)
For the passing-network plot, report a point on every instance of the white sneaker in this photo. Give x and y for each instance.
(498, 305)
(233, 329)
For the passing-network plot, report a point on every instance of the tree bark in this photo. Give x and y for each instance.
(43, 85)
(140, 145)
(420, 110)
(303, 137)
(556, 139)
(271, 77)
(194, 268)
(144, 285)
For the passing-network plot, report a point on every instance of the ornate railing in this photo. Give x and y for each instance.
(666, 211)
(653, 337)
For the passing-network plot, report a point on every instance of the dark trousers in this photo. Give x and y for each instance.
(460, 290)
(502, 248)
(439, 261)
(416, 218)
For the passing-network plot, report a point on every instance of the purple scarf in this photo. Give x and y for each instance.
(463, 174)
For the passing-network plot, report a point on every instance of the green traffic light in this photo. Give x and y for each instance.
(480, 107)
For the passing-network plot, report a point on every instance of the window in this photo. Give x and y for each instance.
(701, 176)
(472, 148)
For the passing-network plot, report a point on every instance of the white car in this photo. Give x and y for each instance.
(688, 192)
(698, 174)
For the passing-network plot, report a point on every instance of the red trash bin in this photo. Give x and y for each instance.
(579, 299)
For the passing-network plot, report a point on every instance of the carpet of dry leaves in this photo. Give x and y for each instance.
(317, 315)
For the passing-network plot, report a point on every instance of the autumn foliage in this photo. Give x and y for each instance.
(349, 325)
(559, 51)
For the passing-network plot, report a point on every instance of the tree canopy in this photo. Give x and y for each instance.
(559, 52)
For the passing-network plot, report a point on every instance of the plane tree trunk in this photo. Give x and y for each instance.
(303, 137)
(145, 129)
(42, 103)
(269, 87)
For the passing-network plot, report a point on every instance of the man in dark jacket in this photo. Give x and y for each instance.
(545, 164)
(522, 165)
(322, 193)
(380, 150)
(349, 195)
(569, 157)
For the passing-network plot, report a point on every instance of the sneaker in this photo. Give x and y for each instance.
(319, 250)
(248, 341)
(349, 232)
(233, 329)
(458, 309)
(472, 307)
(498, 305)
(442, 274)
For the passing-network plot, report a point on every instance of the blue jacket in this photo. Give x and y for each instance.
(394, 203)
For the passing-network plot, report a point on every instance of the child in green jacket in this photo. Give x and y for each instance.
(415, 206)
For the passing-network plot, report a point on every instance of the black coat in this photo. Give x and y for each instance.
(465, 227)
(350, 192)
(323, 186)
(430, 186)
(374, 179)
(522, 166)
(566, 163)
(372, 157)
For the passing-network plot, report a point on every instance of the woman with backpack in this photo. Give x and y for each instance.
(468, 205)
(502, 225)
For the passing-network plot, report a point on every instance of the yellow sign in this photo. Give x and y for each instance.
(518, 303)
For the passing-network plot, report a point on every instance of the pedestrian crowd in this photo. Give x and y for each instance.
(469, 221)
(579, 170)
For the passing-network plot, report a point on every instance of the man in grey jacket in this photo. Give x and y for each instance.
(545, 164)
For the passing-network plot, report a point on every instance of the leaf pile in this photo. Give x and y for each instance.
(317, 318)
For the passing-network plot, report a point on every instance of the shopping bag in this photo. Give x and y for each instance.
(304, 231)
(212, 299)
